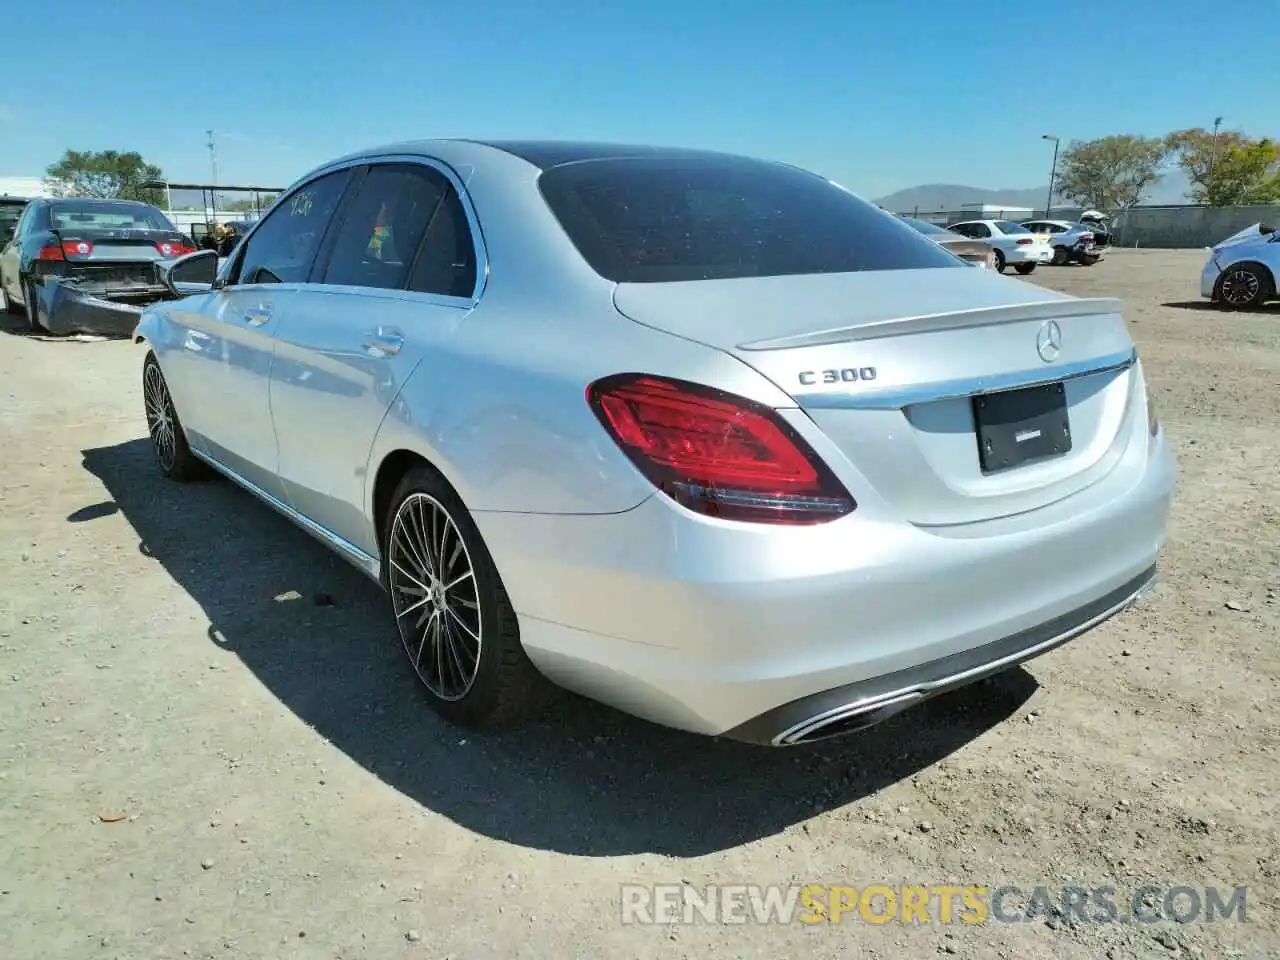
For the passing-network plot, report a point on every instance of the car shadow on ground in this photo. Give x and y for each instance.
(1211, 307)
(583, 779)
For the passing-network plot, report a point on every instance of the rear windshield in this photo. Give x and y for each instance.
(1008, 226)
(104, 215)
(652, 220)
(927, 228)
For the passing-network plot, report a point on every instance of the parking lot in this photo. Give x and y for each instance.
(211, 746)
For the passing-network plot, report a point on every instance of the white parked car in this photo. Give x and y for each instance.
(1015, 245)
(1071, 242)
(1242, 269)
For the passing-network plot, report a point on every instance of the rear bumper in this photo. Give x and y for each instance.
(726, 629)
(71, 306)
(1028, 255)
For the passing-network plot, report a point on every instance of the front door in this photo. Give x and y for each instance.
(399, 275)
(229, 343)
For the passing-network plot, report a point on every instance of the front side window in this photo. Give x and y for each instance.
(663, 219)
(283, 247)
(385, 224)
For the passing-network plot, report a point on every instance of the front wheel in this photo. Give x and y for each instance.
(999, 263)
(168, 442)
(1243, 287)
(456, 624)
(1025, 268)
(1060, 256)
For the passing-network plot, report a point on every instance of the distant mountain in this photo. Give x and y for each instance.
(936, 197)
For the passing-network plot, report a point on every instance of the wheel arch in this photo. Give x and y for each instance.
(1267, 274)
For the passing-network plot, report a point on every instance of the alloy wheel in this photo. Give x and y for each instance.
(1240, 287)
(434, 596)
(161, 419)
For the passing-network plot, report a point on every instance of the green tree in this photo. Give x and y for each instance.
(1111, 173)
(107, 174)
(1229, 168)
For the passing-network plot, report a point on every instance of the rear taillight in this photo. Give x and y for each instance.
(716, 453)
(174, 249)
(77, 248)
(1026, 241)
(50, 251)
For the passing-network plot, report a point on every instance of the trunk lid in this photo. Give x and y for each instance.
(116, 245)
(887, 365)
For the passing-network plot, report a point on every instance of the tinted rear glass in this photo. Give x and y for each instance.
(927, 228)
(650, 220)
(1008, 226)
(105, 215)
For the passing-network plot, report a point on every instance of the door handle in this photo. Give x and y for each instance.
(382, 344)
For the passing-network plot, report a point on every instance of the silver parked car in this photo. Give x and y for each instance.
(704, 437)
(1241, 271)
(1014, 244)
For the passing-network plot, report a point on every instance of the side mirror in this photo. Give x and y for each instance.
(190, 273)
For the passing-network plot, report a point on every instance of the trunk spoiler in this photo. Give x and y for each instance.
(948, 320)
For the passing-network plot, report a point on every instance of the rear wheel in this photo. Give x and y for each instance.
(1024, 268)
(32, 307)
(9, 305)
(169, 443)
(1060, 256)
(456, 624)
(1089, 259)
(1244, 286)
(999, 264)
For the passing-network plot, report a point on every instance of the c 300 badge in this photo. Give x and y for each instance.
(843, 375)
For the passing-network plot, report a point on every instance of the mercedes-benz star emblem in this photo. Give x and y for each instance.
(1049, 341)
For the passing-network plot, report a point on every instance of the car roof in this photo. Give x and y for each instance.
(540, 154)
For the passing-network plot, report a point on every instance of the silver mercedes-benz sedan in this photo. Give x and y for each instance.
(704, 437)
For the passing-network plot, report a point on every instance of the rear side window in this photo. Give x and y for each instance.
(638, 220)
(446, 263)
(1008, 226)
(283, 247)
(381, 231)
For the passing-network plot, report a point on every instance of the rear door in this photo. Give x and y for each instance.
(221, 374)
(396, 279)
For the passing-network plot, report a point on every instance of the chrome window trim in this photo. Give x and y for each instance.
(894, 398)
(439, 166)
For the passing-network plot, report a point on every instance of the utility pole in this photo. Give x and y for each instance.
(213, 161)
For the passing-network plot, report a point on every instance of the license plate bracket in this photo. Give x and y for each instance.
(1015, 427)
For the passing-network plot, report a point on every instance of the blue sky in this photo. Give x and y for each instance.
(878, 94)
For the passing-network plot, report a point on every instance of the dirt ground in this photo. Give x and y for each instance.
(194, 765)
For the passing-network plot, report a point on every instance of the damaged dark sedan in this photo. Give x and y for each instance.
(78, 265)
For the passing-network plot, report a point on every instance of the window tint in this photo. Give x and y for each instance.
(283, 247)
(384, 225)
(106, 215)
(446, 263)
(976, 231)
(925, 227)
(657, 219)
(1008, 226)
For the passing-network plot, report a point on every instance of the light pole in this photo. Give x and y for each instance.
(1053, 173)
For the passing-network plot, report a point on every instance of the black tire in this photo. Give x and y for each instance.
(33, 312)
(999, 264)
(504, 687)
(1024, 268)
(1244, 286)
(1089, 259)
(168, 441)
(1060, 256)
